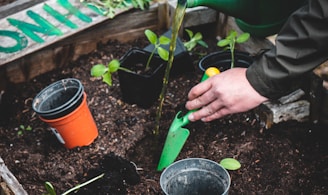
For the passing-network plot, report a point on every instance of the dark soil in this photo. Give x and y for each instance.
(289, 158)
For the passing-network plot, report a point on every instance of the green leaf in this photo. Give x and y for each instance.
(190, 45)
(198, 36)
(230, 164)
(50, 188)
(190, 33)
(223, 42)
(107, 78)
(98, 70)
(142, 4)
(151, 36)
(163, 53)
(28, 128)
(187, 45)
(232, 34)
(113, 65)
(164, 40)
(243, 38)
(202, 43)
(194, 40)
(22, 127)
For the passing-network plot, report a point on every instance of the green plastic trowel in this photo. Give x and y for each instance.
(178, 135)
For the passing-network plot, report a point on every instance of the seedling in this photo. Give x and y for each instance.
(230, 42)
(194, 39)
(230, 164)
(22, 129)
(100, 70)
(51, 190)
(157, 42)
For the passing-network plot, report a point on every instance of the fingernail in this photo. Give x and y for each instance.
(203, 120)
(191, 117)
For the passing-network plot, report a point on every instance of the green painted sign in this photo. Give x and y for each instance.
(43, 24)
(30, 30)
(20, 41)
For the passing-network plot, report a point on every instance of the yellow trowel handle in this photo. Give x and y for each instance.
(211, 71)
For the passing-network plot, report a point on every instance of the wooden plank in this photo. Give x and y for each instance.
(292, 97)
(17, 6)
(10, 179)
(4, 189)
(290, 107)
(83, 19)
(193, 17)
(297, 111)
(69, 49)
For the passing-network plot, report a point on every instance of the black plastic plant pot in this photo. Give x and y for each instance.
(222, 60)
(182, 61)
(58, 99)
(195, 176)
(141, 88)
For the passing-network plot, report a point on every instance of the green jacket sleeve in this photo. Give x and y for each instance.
(301, 45)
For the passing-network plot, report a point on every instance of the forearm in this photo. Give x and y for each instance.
(301, 45)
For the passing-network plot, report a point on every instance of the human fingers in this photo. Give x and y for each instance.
(201, 101)
(200, 95)
(206, 111)
(199, 89)
(216, 115)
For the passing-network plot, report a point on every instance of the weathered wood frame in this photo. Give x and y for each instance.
(69, 49)
(156, 18)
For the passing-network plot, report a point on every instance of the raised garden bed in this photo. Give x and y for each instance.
(288, 158)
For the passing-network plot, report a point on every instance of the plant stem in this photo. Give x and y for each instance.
(150, 57)
(125, 69)
(232, 51)
(83, 184)
(232, 59)
(177, 21)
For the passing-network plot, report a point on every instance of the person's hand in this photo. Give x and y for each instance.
(226, 93)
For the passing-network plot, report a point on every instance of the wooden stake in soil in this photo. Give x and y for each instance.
(10, 181)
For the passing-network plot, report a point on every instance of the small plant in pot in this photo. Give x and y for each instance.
(194, 39)
(140, 72)
(229, 57)
(183, 62)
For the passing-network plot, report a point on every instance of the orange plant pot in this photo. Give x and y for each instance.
(77, 128)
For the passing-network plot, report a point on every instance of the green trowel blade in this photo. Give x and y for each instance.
(173, 145)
